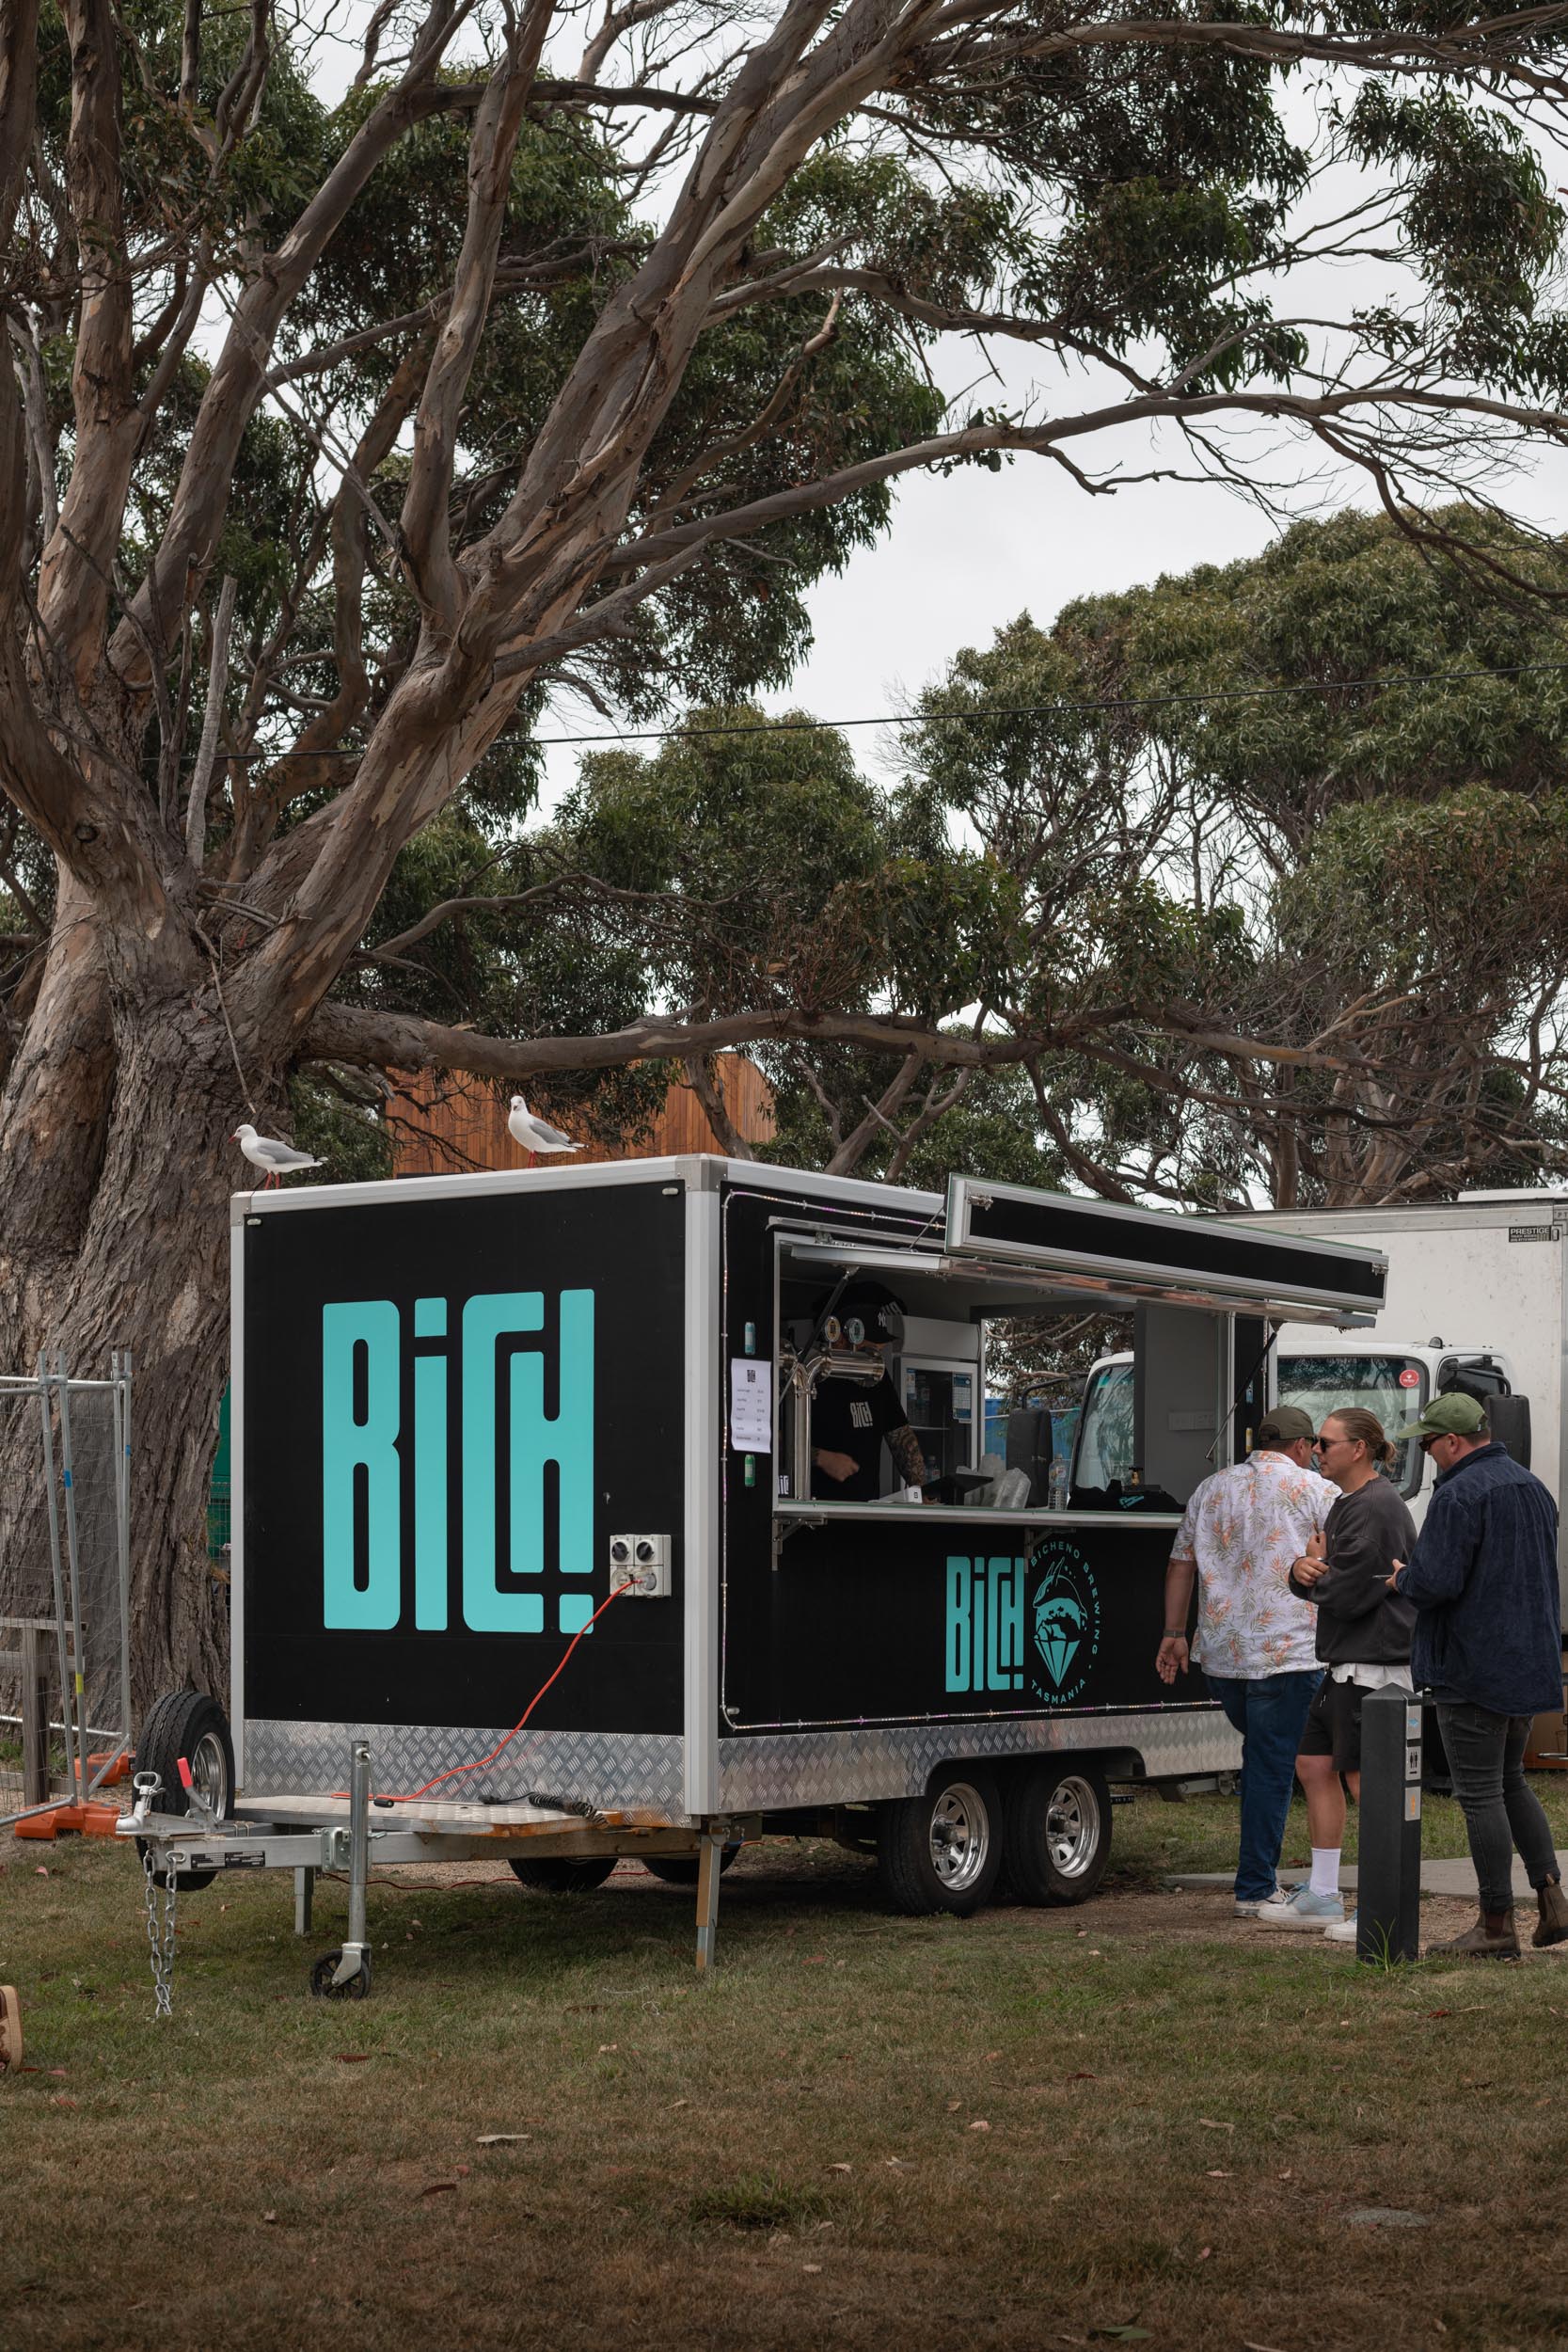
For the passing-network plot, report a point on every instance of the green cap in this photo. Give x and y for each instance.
(1451, 1415)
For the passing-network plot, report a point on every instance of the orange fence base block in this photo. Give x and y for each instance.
(120, 1768)
(86, 1821)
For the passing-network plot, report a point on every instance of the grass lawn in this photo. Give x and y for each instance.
(1030, 2129)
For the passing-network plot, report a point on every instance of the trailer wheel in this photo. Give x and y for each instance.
(563, 1874)
(680, 1870)
(188, 1723)
(355, 1988)
(943, 1852)
(1058, 1832)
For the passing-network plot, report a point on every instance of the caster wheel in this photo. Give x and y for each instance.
(10, 2027)
(355, 1988)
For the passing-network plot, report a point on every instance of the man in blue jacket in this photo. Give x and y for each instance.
(1488, 1647)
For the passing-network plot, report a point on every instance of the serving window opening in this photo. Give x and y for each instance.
(909, 1383)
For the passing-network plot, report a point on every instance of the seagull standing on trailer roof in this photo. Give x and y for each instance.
(535, 1134)
(266, 1151)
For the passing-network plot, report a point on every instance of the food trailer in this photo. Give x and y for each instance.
(530, 1555)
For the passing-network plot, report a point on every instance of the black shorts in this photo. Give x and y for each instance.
(1334, 1724)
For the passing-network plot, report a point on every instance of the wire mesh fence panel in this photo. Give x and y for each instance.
(63, 1559)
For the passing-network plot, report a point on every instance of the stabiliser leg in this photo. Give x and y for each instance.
(305, 1890)
(709, 1858)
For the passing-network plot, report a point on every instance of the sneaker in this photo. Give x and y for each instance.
(1302, 1909)
(1253, 1906)
(1341, 1930)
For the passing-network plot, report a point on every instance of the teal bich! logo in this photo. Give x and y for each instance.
(447, 1458)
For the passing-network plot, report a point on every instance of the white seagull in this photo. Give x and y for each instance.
(267, 1153)
(535, 1134)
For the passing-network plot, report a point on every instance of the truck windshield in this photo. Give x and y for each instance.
(1105, 1432)
(1392, 1387)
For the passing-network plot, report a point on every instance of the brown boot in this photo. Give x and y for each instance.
(1493, 1937)
(1552, 1926)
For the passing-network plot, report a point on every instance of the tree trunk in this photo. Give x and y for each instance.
(148, 1272)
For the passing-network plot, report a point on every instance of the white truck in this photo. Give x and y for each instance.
(1476, 1298)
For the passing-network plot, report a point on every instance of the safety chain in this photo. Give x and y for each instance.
(161, 1944)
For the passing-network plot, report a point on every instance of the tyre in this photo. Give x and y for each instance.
(943, 1852)
(188, 1723)
(680, 1870)
(563, 1874)
(355, 1988)
(1058, 1831)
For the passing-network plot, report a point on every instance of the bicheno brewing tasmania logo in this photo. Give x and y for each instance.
(1064, 1612)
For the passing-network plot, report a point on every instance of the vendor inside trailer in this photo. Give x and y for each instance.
(858, 1412)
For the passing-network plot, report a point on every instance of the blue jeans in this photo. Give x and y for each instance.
(1270, 1712)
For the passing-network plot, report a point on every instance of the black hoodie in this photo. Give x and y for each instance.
(1360, 1622)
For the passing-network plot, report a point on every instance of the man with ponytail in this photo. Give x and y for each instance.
(1363, 1639)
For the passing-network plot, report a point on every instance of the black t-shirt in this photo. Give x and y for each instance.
(847, 1417)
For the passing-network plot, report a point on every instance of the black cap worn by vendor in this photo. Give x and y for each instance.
(1453, 1415)
(877, 1308)
(1286, 1425)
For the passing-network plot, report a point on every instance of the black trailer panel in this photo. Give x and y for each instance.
(942, 1616)
(449, 1407)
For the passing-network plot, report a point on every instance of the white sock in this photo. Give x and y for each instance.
(1325, 1870)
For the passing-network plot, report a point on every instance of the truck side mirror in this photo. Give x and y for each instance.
(1510, 1420)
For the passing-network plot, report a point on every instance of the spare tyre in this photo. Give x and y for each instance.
(188, 1723)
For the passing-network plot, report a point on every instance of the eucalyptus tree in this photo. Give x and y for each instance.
(569, 343)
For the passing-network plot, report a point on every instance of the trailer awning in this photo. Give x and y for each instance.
(1236, 1265)
(1033, 1282)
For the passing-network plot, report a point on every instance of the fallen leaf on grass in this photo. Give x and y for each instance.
(679, 2103)
(58, 2070)
(1439, 2012)
(841, 2167)
(1219, 2176)
(953, 2106)
(59, 2100)
(813, 2269)
(1123, 2334)
(604, 2047)
(436, 2188)
(980, 2124)
(1204, 2253)
(814, 1960)
(993, 2054)
(510, 2139)
(1248, 2346)
(1084, 2075)
(39, 1873)
(1210, 2125)
(269, 2217)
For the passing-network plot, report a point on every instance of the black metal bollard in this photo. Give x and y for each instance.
(1388, 1897)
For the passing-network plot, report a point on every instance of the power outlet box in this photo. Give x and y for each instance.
(645, 1561)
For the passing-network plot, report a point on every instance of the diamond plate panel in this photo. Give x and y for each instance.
(770, 1770)
(602, 1768)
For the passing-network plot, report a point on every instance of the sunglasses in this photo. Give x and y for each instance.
(1322, 1444)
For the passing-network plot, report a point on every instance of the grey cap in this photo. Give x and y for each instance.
(1284, 1424)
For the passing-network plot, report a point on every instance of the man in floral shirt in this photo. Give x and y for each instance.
(1256, 1642)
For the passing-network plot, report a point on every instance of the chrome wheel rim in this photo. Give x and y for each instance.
(1072, 1827)
(960, 1837)
(210, 1773)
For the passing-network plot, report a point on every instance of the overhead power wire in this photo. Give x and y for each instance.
(997, 711)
